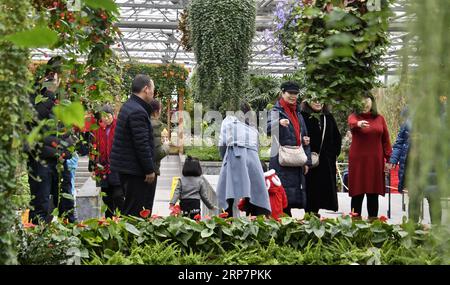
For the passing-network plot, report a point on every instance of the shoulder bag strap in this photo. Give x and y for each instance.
(323, 132)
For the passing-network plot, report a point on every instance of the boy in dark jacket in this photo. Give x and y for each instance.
(133, 149)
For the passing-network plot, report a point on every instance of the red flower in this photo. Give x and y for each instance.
(62, 15)
(353, 214)
(54, 144)
(29, 225)
(155, 216)
(197, 217)
(207, 217)
(93, 87)
(145, 213)
(103, 221)
(383, 219)
(176, 210)
(241, 205)
(55, 4)
(223, 215)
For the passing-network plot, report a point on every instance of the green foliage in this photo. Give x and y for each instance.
(263, 91)
(391, 101)
(221, 37)
(70, 114)
(89, 32)
(169, 79)
(108, 5)
(37, 37)
(14, 107)
(340, 44)
(179, 240)
(428, 96)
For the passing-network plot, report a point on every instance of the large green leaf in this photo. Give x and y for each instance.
(72, 114)
(108, 5)
(132, 229)
(38, 37)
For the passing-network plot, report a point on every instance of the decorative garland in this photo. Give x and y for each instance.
(168, 78)
(221, 36)
(340, 43)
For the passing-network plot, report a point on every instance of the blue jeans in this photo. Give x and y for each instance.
(48, 185)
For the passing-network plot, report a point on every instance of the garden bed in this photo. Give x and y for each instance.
(247, 240)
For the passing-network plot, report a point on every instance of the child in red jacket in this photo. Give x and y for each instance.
(277, 194)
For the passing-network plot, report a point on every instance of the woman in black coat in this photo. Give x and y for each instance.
(287, 128)
(321, 190)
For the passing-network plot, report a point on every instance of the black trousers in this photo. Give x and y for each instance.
(47, 183)
(372, 204)
(190, 207)
(138, 194)
(250, 209)
(113, 199)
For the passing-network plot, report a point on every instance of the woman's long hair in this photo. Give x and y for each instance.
(374, 109)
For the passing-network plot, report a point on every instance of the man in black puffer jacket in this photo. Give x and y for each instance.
(133, 149)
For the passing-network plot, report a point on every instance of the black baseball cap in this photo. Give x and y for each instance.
(290, 86)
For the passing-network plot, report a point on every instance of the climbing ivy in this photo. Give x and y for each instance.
(340, 44)
(14, 108)
(221, 35)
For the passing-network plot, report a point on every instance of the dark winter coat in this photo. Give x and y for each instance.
(321, 187)
(133, 149)
(292, 178)
(52, 146)
(400, 153)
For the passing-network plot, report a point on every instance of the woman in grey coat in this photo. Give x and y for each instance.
(241, 175)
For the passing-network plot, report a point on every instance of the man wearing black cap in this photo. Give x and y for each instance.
(287, 128)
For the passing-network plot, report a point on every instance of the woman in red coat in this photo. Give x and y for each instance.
(369, 153)
(107, 179)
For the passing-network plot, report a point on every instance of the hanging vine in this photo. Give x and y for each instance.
(221, 36)
(340, 44)
(14, 106)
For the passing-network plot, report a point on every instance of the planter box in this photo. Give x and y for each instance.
(88, 201)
